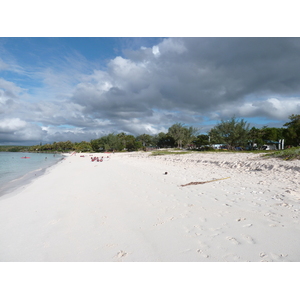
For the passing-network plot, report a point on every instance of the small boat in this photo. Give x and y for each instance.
(25, 157)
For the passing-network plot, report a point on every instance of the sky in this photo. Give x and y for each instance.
(78, 89)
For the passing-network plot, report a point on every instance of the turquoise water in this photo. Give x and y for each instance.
(14, 170)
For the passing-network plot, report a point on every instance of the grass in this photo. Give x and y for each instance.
(166, 152)
(229, 151)
(286, 154)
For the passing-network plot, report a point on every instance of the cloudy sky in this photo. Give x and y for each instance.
(54, 89)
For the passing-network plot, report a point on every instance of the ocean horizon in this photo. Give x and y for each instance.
(15, 170)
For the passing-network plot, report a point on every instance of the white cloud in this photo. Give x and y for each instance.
(272, 108)
(11, 125)
(3, 65)
(279, 108)
(16, 130)
(155, 50)
(10, 88)
(175, 45)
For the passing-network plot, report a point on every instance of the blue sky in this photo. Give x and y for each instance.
(55, 88)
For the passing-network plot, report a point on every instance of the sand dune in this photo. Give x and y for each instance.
(127, 209)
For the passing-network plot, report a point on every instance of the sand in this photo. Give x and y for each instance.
(126, 209)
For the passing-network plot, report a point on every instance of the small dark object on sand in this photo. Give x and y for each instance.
(166, 173)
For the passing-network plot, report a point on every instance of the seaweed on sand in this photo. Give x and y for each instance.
(202, 182)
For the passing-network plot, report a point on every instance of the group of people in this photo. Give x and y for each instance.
(97, 159)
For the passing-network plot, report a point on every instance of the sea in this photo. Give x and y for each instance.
(15, 170)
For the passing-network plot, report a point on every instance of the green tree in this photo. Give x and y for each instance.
(176, 131)
(132, 144)
(163, 140)
(292, 133)
(202, 140)
(69, 146)
(112, 142)
(189, 135)
(181, 134)
(272, 133)
(145, 139)
(108, 142)
(95, 144)
(255, 137)
(46, 147)
(122, 141)
(83, 147)
(232, 132)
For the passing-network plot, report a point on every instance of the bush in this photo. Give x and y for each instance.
(287, 154)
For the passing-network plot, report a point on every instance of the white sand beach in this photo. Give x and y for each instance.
(126, 209)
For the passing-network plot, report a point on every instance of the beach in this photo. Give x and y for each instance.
(134, 207)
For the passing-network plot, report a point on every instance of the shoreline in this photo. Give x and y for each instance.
(127, 209)
(25, 179)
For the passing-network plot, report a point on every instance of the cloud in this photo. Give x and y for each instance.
(3, 65)
(155, 50)
(11, 125)
(194, 75)
(14, 130)
(9, 89)
(9, 97)
(273, 108)
(147, 90)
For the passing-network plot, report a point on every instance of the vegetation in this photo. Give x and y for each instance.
(14, 148)
(287, 154)
(163, 140)
(58, 147)
(292, 132)
(181, 134)
(233, 133)
(202, 140)
(116, 142)
(166, 152)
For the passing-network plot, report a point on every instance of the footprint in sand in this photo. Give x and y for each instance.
(233, 240)
(53, 222)
(248, 239)
(202, 220)
(203, 245)
(202, 253)
(216, 231)
(277, 257)
(262, 254)
(159, 223)
(273, 257)
(196, 230)
(240, 219)
(247, 225)
(121, 254)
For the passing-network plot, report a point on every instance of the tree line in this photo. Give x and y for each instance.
(178, 135)
(233, 132)
(237, 133)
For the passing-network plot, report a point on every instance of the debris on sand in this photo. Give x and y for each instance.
(202, 182)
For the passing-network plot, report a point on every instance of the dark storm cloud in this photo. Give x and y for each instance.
(249, 65)
(197, 75)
